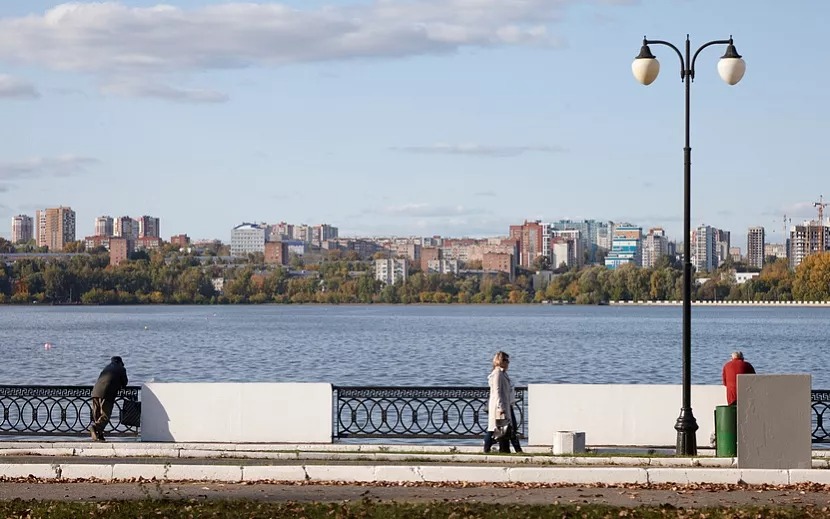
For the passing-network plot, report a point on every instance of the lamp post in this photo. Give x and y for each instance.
(731, 69)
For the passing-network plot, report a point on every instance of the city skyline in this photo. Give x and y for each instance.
(452, 120)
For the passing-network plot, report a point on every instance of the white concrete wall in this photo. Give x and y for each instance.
(236, 412)
(618, 414)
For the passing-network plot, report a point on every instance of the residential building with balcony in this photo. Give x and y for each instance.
(391, 270)
(56, 228)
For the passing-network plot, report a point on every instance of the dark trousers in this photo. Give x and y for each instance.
(505, 441)
(101, 412)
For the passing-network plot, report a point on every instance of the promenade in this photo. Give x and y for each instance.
(377, 464)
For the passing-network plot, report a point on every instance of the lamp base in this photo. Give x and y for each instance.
(686, 428)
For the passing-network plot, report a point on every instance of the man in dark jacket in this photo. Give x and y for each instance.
(112, 379)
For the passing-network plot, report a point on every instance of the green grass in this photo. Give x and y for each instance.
(369, 510)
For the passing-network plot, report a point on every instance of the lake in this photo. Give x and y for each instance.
(404, 345)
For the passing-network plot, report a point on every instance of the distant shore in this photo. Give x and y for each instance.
(823, 304)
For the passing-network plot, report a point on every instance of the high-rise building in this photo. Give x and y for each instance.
(755, 247)
(56, 227)
(124, 227)
(247, 238)
(148, 227)
(705, 248)
(22, 228)
(806, 239)
(722, 245)
(626, 246)
(655, 246)
(104, 226)
(529, 238)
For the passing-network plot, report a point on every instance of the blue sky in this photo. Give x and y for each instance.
(417, 117)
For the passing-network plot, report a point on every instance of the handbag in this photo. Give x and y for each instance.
(131, 413)
(502, 428)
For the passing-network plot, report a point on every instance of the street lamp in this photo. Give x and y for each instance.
(731, 69)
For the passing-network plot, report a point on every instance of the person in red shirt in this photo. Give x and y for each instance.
(731, 370)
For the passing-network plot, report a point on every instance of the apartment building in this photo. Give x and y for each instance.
(23, 228)
(755, 252)
(529, 236)
(391, 270)
(149, 227)
(104, 226)
(56, 228)
(655, 246)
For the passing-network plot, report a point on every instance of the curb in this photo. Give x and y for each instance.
(411, 474)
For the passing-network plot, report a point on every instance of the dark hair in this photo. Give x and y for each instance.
(117, 360)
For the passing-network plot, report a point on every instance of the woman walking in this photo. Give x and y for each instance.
(501, 423)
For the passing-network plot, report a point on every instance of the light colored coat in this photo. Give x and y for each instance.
(501, 397)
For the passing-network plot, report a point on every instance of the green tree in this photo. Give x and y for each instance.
(812, 278)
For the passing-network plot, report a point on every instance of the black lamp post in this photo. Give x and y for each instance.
(731, 69)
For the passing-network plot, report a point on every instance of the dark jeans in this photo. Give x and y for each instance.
(504, 441)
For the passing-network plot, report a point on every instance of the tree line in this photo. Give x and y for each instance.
(176, 278)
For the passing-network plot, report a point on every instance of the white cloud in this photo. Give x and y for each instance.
(116, 39)
(140, 88)
(15, 87)
(479, 149)
(38, 167)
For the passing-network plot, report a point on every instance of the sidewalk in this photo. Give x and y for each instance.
(380, 464)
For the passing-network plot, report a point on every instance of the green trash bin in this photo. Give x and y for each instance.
(726, 431)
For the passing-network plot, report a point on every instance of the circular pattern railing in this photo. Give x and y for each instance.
(416, 412)
(821, 415)
(57, 411)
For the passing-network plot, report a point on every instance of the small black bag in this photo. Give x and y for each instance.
(131, 413)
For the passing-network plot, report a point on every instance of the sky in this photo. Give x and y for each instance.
(409, 117)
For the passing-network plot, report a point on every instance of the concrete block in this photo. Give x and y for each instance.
(444, 473)
(577, 475)
(774, 430)
(139, 470)
(568, 442)
(273, 473)
(398, 473)
(670, 462)
(765, 476)
(724, 463)
(231, 473)
(822, 477)
(86, 471)
(340, 472)
(24, 470)
(700, 475)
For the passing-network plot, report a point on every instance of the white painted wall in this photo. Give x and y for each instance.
(236, 412)
(618, 414)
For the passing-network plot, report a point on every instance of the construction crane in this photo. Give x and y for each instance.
(821, 204)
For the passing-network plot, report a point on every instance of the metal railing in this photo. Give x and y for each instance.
(443, 412)
(820, 415)
(440, 412)
(58, 411)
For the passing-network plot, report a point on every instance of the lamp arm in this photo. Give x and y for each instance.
(679, 54)
(713, 42)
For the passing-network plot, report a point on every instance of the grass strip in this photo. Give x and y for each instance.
(174, 509)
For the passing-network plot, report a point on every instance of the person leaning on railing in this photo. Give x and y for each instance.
(501, 422)
(112, 379)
